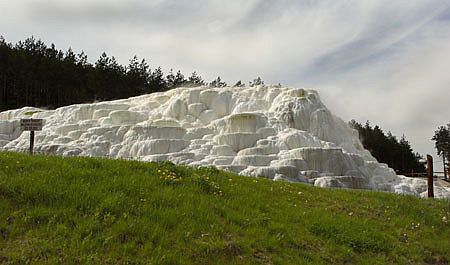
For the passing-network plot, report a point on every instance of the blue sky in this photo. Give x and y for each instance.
(378, 60)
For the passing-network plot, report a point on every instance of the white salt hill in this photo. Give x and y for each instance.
(274, 132)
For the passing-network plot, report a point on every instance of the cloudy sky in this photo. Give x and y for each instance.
(379, 60)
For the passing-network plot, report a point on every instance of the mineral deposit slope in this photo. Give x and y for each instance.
(266, 131)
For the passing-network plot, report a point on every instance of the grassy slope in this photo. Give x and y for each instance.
(84, 210)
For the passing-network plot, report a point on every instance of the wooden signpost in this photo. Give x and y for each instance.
(31, 125)
(430, 176)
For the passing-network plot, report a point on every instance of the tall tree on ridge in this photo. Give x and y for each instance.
(195, 80)
(179, 79)
(256, 82)
(138, 75)
(170, 79)
(157, 81)
(217, 83)
(441, 138)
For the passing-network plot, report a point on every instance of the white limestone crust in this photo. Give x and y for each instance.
(274, 132)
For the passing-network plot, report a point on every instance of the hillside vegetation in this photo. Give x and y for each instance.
(97, 211)
(397, 154)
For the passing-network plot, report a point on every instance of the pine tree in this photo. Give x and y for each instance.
(195, 80)
(442, 144)
(256, 82)
(103, 61)
(70, 56)
(143, 70)
(387, 149)
(4, 61)
(82, 59)
(115, 67)
(170, 79)
(239, 84)
(133, 66)
(179, 79)
(157, 81)
(137, 75)
(217, 83)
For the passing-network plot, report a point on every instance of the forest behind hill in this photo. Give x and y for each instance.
(35, 74)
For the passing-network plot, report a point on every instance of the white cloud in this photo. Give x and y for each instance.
(406, 92)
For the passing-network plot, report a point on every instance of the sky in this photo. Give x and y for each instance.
(379, 60)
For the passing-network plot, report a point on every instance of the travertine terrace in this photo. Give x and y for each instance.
(274, 132)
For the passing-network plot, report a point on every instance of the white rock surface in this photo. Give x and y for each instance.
(262, 131)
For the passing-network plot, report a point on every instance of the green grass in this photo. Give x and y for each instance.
(98, 211)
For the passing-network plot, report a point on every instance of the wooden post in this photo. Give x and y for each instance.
(445, 171)
(31, 142)
(430, 176)
(31, 125)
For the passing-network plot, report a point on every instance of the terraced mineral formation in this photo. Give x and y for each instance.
(274, 132)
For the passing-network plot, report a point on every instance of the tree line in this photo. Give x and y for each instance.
(34, 74)
(386, 148)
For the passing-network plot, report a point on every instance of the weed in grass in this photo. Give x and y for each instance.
(169, 177)
(207, 185)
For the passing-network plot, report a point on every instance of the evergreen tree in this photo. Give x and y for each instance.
(102, 62)
(239, 84)
(137, 74)
(441, 138)
(217, 83)
(157, 81)
(4, 62)
(256, 82)
(387, 149)
(70, 57)
(115, 67)
(170, 79)
(179, 79)
(195, 80)
(82, 59)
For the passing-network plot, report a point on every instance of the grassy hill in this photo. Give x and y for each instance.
(98, 211)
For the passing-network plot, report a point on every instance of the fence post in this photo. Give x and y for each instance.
(430, 176)
(31, 142)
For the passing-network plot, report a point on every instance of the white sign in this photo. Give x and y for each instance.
(31, 124)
